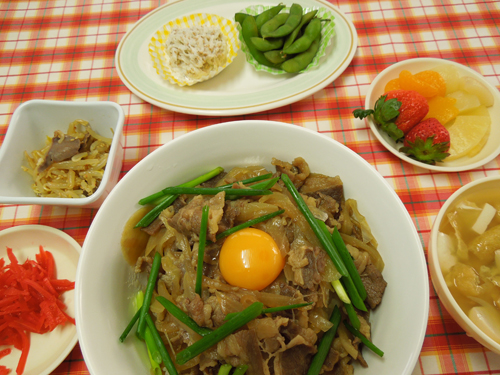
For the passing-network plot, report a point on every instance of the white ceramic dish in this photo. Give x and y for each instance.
(103, 278)
(29, 126)
(239, 89)
(475, 187)
(490, 150)
(47, 351)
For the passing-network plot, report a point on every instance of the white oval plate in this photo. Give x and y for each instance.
(104, 282)
(239, 89)
(47, 351)
(489, 151)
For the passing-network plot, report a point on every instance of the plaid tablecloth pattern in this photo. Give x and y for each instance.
(64, 50)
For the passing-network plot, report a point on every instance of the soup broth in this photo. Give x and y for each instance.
(470, 260)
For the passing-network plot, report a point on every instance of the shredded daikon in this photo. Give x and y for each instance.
(195, 52)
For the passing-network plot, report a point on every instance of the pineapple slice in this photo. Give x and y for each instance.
(474, 87)
(468, 134)
(450, 75)
(465, 101)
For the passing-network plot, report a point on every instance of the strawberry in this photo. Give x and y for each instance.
(397, 112)
(428, 142)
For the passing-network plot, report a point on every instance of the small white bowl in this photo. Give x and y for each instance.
(47, 351)
(103, 283)
(489, 151)
(447, 299)
(32, 122)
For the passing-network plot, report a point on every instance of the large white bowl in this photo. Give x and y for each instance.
(103, 305)
(29, 126)
(489, 151)
(472, 188)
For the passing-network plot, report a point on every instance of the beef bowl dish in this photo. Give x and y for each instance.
(278, 254)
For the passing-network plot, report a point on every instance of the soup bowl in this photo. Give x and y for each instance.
(485, 185)
(104, 286)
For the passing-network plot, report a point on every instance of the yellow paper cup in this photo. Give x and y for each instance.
(157, 48)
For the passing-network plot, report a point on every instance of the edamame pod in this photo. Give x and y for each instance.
(267, 44)
(249, 30)
(266, 15)
(305, 19)
(276, 56)
(302, 60)
(312, 31)
(291, 23)
(240, 17)
(273, 24)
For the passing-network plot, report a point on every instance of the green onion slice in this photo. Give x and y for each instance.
(206, 342)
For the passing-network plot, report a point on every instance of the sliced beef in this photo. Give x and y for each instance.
(331, 360)
(374, 284)
(294, 361)
(308, 264)
(188, 219)
(154, 227)
(194, 307)
(242, 348)
(298, 171)
(318, 183)
(60, 150)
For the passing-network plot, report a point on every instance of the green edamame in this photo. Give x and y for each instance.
(273, 24)
(276, 56)
(249, 30)
(291, 23)
(295, 33)
(302, 60)
(240, 17)
(266, 15)
(267, 44)
(312, 31)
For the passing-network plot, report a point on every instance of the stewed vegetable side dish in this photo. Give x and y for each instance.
(254, 271)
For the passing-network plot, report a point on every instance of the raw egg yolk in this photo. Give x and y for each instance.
(250, 259)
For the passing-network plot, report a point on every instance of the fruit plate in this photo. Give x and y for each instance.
(488, 152)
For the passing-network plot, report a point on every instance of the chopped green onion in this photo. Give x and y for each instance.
(339, 289)
(130, 326)
(322, 237)
(224, 369)
(181, 316)
(363, 339)
(271, 310)
(214, 191)
(154, 365)
(353, 293)
(155, 212)
(349, 263)
(198, 180)
(206, 342)
(346, 280)
(325, 344)
(353, 317)
(155, 268)
(201, 249)
(240, 370)
(249, 223)
(249, 180)
(151, 345)
(264, 185)
(167, 361)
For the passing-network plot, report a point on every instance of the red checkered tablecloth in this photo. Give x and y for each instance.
(64, 50)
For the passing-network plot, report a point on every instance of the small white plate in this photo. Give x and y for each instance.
(239, 89)
(489, 151)
(47, 351)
